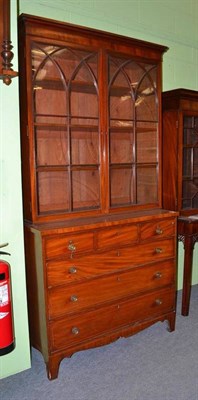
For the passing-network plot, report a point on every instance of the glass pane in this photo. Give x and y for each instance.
(186, 203)
(49, 85)
(190, 163)
(188, 122)
(83, 65)
(83, 87)
(122, 124)
(51, 121)
(187, 162)
(190, 194)
(190, 136)
(51, 147)
(147, 185)
(195, 201)
(53, 191)
(85, 189)
(84, 104)
(49, 101)
(127, 71)
(121, 147)
(85, 147)
(120, 100)
(146, 99)
(121, 186)
(147, 142)
(195, 158)
(121, 108)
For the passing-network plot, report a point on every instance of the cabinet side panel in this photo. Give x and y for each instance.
(24, 128)
(170, 160)
(35, 290)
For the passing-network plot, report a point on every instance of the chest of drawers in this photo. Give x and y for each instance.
(91, 284)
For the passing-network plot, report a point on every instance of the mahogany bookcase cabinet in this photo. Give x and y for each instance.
(100, 250)
(180, 172)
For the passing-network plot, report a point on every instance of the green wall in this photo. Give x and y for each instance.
(172, 23)
(11, 228)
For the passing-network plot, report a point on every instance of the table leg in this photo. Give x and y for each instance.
(187, 276)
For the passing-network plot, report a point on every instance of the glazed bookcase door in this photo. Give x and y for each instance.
(190, 163)
(66, 128)
(133, 133)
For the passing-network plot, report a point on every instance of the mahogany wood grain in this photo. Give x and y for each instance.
(180, 173)
(64, 300)
(100, 250)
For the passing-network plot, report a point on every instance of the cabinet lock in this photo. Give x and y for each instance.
(71, 246)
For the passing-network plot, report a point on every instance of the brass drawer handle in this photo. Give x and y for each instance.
(158, 275)
(158, 302)
(158, 250)
(72, 270)
(158, 231)
(71, 246)
(75, 330)
(74, 298)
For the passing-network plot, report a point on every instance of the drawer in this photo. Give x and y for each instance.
(158, 229)
(66, 332)
(118, 236)
(80, 268)
(68, 245)
(74, 298)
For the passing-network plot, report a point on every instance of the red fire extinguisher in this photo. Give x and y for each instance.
(7, 341)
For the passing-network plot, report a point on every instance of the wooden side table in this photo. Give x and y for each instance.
(188, 234)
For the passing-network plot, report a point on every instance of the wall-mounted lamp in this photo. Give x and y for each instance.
(6, 55)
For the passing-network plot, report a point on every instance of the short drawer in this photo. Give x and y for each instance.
(66, 332)
(67, 245)
(118, 236)
(80, 268)
(158, 229)
(74, 298)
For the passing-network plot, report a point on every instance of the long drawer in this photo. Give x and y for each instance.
(69, 331)
(79, 268)
(78, 297)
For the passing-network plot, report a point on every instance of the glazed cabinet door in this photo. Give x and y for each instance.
(66, 128)
(133, 132)
(180, 151)
(189, 198)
